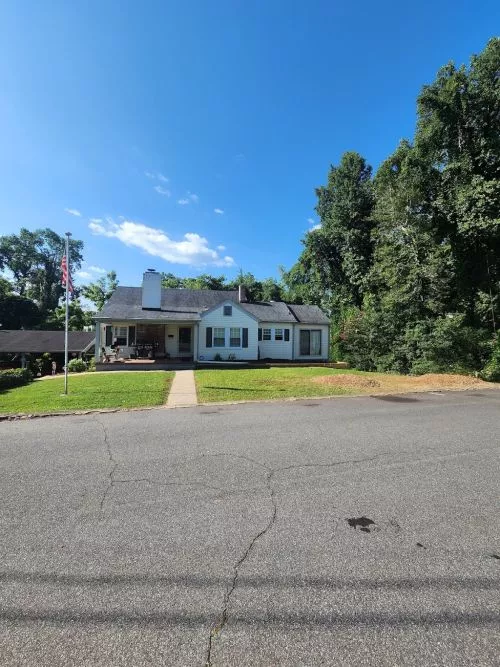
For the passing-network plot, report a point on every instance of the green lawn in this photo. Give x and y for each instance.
(90, 391)
(265, 383)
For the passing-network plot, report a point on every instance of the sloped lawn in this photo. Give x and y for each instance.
(274, 383)
(131, 389)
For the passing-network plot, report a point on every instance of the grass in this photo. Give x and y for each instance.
(89, 391)
(266, 383)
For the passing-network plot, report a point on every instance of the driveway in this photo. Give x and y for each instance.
(359, 531)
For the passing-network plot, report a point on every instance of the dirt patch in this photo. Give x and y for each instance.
(348, 380)
(397, 383)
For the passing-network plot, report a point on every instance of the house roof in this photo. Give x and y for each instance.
(189, 304)
(309, 314)
(20, 340)
(176, 304)
(270, 311)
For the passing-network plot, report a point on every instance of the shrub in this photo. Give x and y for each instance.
(217, 357)
(231, 357)
(77, 366)
(491, 372)
(91, 365)
(15, 377)
(44, 364)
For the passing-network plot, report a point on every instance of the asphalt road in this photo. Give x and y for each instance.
(242, 535)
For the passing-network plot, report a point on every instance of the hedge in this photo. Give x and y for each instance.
(15, 377)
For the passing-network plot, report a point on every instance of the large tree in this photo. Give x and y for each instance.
(100, 291)
(34, 258)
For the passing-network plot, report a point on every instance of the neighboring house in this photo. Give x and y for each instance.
(200, 325)
(21, 342)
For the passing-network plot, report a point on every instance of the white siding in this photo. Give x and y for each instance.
(239, 318)
(324, 341)
(276, 349)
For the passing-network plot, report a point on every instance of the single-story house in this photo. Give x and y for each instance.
(16, 344)
(205, 325)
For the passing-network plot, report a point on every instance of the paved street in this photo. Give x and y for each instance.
(359, 531)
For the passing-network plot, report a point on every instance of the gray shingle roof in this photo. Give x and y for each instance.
(309, 314)
(272, 311)
(176, 304)
(43, 341)
(188, 304)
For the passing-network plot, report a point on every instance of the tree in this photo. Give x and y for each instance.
(34, 258)
(5, 287)
(100, 291)
(77, 317)
(18, 312)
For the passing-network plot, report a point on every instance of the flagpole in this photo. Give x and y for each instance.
(66, 322)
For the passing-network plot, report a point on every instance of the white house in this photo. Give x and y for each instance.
(206, 325)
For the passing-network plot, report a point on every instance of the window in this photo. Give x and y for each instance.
(228, 310)
(219, 337)
(234, 337)
(120, 335)
(278, 334)
(266, 334)
(310, 342)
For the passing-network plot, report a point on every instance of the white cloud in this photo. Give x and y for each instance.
(192, 250)
(73, 211)
(97, 269)
(98, 220)
(183, 202)
(221, 248)
(311, 221)
(156, 176)
(149, 174)
(219, 211)
(85, 275)
(193, 197)
(162, 178)
(314, 228)
(90, 272)
(162, 191)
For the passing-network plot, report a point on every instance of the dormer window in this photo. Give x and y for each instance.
(228, 310)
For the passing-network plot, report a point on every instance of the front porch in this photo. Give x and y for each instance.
(144, 343)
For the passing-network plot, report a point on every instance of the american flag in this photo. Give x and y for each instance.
(66, 275)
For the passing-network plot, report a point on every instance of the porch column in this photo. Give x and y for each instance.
(196, 341)
(97, 351)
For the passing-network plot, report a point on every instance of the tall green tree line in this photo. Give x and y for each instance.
(407, 261)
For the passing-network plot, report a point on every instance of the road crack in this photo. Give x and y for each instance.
(114, 466)
(222, 621)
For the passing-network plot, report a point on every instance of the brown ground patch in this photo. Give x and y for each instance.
(380, 382)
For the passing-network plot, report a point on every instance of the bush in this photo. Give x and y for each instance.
(15, 377)
(231, 357)
(217, 357)
(77, 366)
(44, 364)
(91, 365)
(491, 372)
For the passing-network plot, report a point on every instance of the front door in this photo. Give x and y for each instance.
(184, 340)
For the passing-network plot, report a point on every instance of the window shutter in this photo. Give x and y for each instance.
(208, 341)
(260, 334)
(109, 336)
(244, 342)
(287, 334)
(131, 335)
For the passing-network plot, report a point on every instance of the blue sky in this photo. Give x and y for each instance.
(190, 136)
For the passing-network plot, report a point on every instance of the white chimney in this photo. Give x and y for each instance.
(151, 290)
(242, 294)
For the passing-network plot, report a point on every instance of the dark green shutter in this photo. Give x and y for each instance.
(245, 338)
(260, 334)
(109, 336)
(131, 335)
(287, 334)
(208, 340)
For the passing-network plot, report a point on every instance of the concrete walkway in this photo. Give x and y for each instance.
(183, 390)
